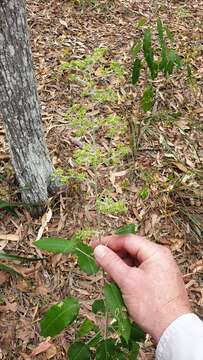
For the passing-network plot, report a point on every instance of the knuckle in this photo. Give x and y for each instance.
(115, 262)
(111, 260)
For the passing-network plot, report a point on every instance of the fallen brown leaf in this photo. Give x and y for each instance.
(10, 237)
(45, 220)
(3, 244)
(180, 166)
(43, 346)
(51, 352)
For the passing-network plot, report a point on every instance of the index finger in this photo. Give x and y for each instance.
(137, 246)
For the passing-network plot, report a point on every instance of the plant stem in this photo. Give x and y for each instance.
(132, 136)
(98, 218)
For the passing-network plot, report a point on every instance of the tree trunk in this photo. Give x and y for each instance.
(20, 107)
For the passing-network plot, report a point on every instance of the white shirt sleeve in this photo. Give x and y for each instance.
(182, 340)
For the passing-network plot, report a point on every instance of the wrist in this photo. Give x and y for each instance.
(165, 320)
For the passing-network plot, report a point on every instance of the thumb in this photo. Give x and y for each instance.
(112, 264)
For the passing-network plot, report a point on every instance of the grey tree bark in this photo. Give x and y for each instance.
(20, 108)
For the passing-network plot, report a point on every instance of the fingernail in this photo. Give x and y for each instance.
(100, 251)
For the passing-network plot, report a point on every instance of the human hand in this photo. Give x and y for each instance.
(149, 279)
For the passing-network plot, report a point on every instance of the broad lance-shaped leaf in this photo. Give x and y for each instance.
(10, 270)
(59, 316)
(134, 351)
(171, 63)
(163, 64)
(115, 305)
(136, 71)
(179, 61)
(4, 255)
(169, 34)
(85, 328)
(79, 351)
(88, 327)
(86, 260)
(5, 205)
(147, 98)
(56, 245)
(106, 349)
(148, 51)
(98, 306)
(160, 31)
(120, 356)
(127, 229)
(137, 334)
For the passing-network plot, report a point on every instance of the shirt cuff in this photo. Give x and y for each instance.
(182, 340)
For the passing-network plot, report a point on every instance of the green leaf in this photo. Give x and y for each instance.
(85, 328)
(79, 351)
(7, 205)
(160, 31)
(179, 61)
(113, 327)
(144, 193)
(117, 68)
(137, 334)
(86, 260)
(156, 68)
(56, 245)
(99, 54)
(98, 306)
(189, 73)
(169, 34)
(127, 229)
(115, 305)
(147, 98)
(106, 349)
(10, 207)
(171, 63)
(163, 64)
(148, 52)
(59, 316)
(120, 356)
(4, 255)
(136, 49)
(10, 270)
(136, 71)
(134, 351)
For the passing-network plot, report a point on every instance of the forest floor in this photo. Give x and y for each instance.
(87, 110)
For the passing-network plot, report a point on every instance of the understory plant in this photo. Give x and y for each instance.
(152, 56)
(121, 337)
(157, 57)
